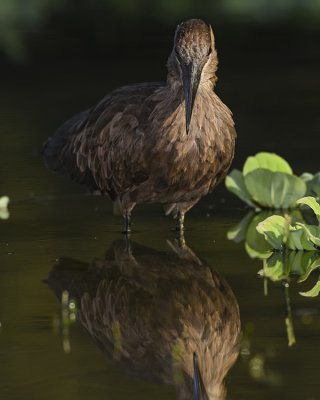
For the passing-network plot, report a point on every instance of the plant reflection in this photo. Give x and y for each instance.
(4, 213)
(285, 266)
(161, 316)
(278, 266)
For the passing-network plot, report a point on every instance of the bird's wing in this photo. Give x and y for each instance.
(102, 147)
(54, 150)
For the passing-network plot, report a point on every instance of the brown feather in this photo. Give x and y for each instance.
(133, 144)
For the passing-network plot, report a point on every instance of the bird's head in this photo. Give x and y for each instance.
(193, 50)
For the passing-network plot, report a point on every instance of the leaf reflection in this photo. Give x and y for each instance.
(283, 265)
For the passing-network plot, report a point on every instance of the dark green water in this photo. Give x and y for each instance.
(52, 218)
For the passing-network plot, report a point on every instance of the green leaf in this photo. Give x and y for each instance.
(310, 262)
(312, 232)
(235, 183)
(312, 203)
(281, 265)
(274, 269)
(256, 254)
(313, 183)
(258, 184)
(299, 240)
(268, 161)
(307, 176)
(4, 213)
(256, 241)
(4, 201)
(238, 232)
(274, 189)
(312, 292)
(273, 229)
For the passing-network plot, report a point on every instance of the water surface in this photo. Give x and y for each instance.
(52, 218)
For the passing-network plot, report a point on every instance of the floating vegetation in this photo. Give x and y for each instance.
(313, 184)
(280, 233)
(285, 242)
(267, 181)
(296, 247)
(256, 244)
(4, 213)
(288, 247)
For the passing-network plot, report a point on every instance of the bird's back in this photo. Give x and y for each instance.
(86, 147)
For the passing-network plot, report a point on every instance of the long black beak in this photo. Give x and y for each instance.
(190, 77)
(199, 391)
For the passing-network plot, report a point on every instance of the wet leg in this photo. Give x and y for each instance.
(180, 222)
(127, 224)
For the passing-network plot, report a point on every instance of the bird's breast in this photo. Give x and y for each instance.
(188, 156)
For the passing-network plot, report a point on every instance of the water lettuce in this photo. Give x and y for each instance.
(267, 181)
(279, 232)
(256, 244)
(313, 184)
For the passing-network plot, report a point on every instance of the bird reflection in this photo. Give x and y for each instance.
(162, 316)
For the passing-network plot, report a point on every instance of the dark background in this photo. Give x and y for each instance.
(59, 57)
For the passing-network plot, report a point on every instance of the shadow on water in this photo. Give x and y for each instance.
(152, 311)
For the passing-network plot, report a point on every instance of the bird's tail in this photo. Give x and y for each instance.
(53, 147)
(61, 158)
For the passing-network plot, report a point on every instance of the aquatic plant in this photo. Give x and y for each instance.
(280, 233)
(256, 244)
(287, 246)
(267, 181)
(296, 247)
(4, 213)
(313, 184)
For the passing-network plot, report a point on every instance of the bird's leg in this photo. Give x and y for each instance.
(128, 250)
(128, 245)
(184, 252)
(180, 221)
(127, 226)
(180, 229)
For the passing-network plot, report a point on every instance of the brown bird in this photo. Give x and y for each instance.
(152, 311)
(169, 142)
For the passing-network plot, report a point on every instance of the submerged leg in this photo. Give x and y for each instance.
(128, 245)
(127, 224)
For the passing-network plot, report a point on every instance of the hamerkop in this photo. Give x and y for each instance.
(161, 316)
(170, 142)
